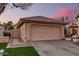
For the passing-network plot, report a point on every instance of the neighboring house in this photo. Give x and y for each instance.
(77, 22)
(74, 27)
(40, 28)
(3, 39)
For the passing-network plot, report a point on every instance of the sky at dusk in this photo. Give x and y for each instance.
(51, 10)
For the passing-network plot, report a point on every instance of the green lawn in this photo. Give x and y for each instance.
(3, 45)
(21, 51)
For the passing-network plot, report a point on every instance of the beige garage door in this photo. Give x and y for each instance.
(45, 33)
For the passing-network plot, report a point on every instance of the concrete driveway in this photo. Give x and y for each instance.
(56, 48)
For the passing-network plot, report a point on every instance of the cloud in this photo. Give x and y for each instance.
(65, 12)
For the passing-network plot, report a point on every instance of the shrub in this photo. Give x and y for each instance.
(7, 34)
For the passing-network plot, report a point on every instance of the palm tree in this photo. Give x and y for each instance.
(9, 25)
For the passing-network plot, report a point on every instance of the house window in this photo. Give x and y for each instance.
(74, 31)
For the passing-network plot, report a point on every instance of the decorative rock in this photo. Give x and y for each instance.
(69, 39)
(1, 52)
(74, 36)
(75, 40)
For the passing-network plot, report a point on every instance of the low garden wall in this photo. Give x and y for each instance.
(4, 39)
(15, 34)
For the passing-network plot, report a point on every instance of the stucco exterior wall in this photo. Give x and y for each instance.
(23, 32)
(28, 31)
(62, 32)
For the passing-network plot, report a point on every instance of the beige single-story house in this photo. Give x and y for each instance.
(39, 28)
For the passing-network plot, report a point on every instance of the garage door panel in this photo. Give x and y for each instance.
(45, 33)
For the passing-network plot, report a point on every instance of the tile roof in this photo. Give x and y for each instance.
(40, 19)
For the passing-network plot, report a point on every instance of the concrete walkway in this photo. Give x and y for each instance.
(56, 48)
(17, 43)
